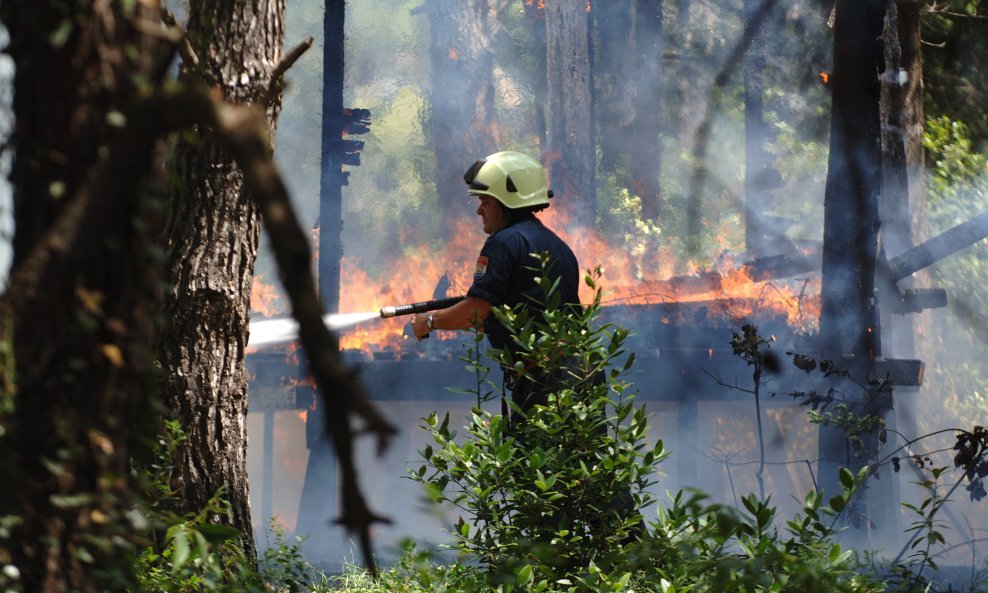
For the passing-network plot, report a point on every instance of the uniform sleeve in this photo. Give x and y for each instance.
(497, 262)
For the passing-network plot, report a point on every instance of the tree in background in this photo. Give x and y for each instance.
(955, 35)
(570, 153)
(628, 85)
(848, 318)
(461, 118)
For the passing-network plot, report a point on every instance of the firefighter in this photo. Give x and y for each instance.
(511, 188)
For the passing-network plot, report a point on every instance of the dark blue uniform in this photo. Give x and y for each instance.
(503, 276)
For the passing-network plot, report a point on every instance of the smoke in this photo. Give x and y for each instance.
(400, 236)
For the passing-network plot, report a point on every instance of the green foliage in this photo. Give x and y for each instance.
(927, 525)
(198, 555)
(955, 36)
(193, 551)
(711, 547)
(558, 490)
(692, 546)
(853, 408)
(282, 566)
(957, 187)
(553, 501)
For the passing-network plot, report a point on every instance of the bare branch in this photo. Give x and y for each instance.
(184, 47)
(276, 85)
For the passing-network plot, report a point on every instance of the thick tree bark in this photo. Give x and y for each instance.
(212, 240)
(81, 297)
(570, 150)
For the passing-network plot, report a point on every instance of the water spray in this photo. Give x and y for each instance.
(285, 329)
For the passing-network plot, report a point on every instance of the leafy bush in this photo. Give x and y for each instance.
(552, 498)
(194, 553)
(712, 547)
(555, 489)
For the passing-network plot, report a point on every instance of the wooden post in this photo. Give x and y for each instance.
(318, 505)
(849, 324)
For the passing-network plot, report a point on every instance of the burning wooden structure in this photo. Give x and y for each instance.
(683, 325)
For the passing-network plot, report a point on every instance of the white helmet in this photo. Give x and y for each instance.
(512, 178)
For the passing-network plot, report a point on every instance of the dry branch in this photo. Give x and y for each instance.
(276, 85)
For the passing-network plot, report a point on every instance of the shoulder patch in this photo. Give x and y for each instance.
(481, 267)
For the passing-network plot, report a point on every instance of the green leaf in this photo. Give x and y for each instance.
(215, 533)
(180, 545)
(524, 575)
(60, 36)
(846, 478)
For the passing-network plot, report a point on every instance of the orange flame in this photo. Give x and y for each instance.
(653, 276)
(264, 298)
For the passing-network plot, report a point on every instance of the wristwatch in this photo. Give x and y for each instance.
(428, 322)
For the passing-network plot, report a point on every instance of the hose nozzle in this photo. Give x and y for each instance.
(422, 307)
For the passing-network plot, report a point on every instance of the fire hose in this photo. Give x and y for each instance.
(422, 307)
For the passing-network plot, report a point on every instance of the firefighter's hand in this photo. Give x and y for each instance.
(419, 327)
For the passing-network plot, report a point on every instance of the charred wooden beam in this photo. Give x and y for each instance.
(762, 269)
(902, 372)
(914, 300)
(775, 267)
(939, 247)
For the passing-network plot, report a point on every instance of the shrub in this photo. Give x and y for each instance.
(557, 488)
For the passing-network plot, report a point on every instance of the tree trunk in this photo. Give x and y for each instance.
(80, 302)
(535, 47)
(461, 123)
(570, 151)
(614, 78)
(628, 95)
(903, 198)
(645, 138)
(757, 200)
(212, 240)
(902, 150)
